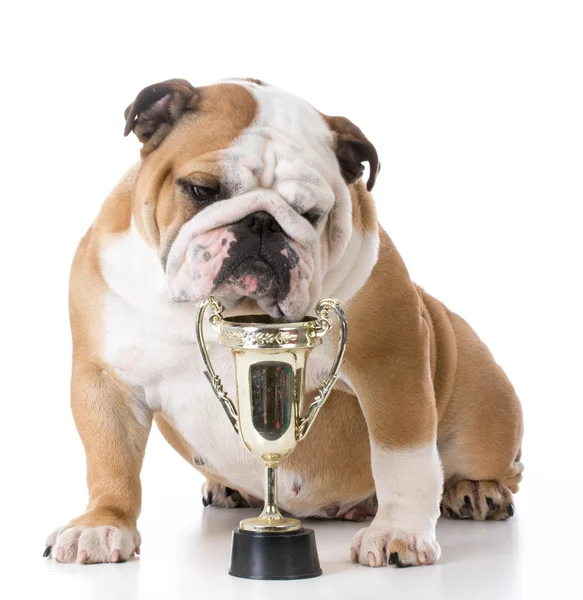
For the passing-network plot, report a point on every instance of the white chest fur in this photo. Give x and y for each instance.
(150, 341)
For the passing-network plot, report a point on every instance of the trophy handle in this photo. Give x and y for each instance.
(323, 309)
(215, 320)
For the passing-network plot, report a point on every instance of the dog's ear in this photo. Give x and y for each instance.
(352, 149)
(157, 108)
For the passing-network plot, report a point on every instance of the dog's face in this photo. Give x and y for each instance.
(244, 191)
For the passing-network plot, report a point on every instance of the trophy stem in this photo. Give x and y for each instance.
(270, 520)
(270, 510)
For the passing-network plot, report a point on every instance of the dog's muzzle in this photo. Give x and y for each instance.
(260, 260)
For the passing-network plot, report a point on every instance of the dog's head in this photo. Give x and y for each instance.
(243, 190)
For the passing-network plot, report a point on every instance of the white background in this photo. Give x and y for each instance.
(476, 110)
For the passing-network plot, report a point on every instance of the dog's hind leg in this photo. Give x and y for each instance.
(479, 435)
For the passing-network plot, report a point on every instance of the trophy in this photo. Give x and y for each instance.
(270, 367)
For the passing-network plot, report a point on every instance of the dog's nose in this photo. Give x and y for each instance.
(261, 223)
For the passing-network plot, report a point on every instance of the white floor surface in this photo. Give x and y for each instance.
(186, 549)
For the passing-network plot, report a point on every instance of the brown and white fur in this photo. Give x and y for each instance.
(422, 418)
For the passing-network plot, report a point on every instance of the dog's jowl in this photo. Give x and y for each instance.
(250, 194)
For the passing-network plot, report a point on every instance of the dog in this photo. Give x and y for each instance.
(248, 193)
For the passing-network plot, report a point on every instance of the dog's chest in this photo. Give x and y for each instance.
(156, 353)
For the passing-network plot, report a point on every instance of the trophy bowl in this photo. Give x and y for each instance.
(270, 367)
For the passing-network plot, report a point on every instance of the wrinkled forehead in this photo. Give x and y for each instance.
(258, 133)
(287, 139)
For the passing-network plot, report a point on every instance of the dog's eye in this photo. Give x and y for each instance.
(203, 194)
(312, 216)
(200, 194)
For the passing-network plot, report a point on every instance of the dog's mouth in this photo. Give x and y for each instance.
(254, 274)
(254, 277)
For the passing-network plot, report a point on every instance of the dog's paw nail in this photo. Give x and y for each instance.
(205, 502)
(394, 558)
(82, 557)
(510, 510)
(467, 510)
(115, 556)
(371, 559)
(47, 552)
(422, 558)
(451, 514)
(491, 504)
(137, 550)
(60, 554)
(353, 554)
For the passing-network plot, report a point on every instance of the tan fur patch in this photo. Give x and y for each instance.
(391, 369)
(114, 443)
(364, 213)
(191, 149)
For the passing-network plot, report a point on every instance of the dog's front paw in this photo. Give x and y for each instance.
(377, 546)
(92, 544)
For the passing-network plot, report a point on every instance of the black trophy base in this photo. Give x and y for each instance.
(290, 555)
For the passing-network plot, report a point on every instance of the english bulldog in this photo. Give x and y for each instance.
(248, 193)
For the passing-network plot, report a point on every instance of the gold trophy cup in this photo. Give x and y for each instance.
(270, 366)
